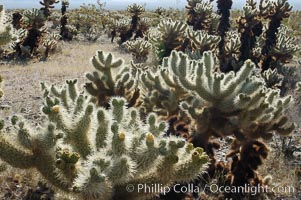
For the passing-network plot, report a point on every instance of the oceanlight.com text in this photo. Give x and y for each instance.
(213, 188)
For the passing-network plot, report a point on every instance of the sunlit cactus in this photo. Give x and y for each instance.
(222, 104)
(94, 153)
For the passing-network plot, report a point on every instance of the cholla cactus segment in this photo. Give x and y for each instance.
(111, 78)
(94, 153)
(170, 37)
(202, 41)
(140, 49)
(244, 105)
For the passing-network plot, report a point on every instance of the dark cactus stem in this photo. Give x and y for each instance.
(242, 171)
(16, 20)
(113, 35)
(223, 9)
(32, 39)
(270, 41)
(248, 40)
(134, 23)
(139, 34)
(65, 34)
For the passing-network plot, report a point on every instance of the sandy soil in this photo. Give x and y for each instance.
(22, 83)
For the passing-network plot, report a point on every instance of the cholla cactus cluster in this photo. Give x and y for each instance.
(93, 153)
(219, 105)
(134, 27)
(86, 21)
(212, 81)
(31, 33)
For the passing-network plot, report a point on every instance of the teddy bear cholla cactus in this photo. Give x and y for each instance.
(230, 104)
(170, 36)
(111, 78)
(139, 49)
(93, 153)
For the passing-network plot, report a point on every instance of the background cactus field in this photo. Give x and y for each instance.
(96, 102)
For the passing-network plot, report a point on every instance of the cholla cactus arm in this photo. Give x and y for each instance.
(72, 89)
(104, 64)
(109, 78)
(161, 94)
